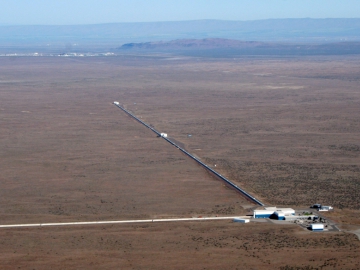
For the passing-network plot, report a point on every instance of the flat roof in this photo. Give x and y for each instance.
(274, 208)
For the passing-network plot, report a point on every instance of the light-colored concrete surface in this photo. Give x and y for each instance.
(357, 232)
(260, 220)
(282, 222)
(117, 222)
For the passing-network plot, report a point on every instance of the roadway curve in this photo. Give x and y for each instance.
(227, 181)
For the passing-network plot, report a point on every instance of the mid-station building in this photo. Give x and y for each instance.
(274, 212)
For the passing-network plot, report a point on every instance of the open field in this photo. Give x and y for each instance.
(287, 130)
(68, 153)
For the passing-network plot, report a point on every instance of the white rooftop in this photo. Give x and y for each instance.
(274, 208)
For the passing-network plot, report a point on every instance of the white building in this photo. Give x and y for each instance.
(263, 213)
(325, 208)
(278, 213)
(241, 220)
(286, 211)
(317, 227)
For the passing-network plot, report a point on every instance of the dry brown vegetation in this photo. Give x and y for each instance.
(287, 130)
(217, 245)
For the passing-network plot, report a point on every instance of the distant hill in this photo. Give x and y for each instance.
(206, 43)
(230, 48)
(100, 36)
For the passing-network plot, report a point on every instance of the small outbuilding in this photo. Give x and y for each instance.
(326, 208)
(317, 227)
(241, 220)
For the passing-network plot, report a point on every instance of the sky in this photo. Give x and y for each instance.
(70, 12)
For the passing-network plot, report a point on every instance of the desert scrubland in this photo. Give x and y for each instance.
(284, 129)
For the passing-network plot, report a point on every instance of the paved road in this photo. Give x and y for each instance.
(227, 181)
(116, 222)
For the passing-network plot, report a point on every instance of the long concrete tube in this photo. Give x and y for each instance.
(246, 194)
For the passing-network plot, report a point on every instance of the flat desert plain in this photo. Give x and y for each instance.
(287, 130)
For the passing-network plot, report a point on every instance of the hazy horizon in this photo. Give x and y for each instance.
(84, 12)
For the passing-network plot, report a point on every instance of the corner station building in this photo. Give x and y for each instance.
(274, 212)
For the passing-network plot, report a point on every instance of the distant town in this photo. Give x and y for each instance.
(36, 54)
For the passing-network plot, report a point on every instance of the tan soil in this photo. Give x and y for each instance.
(290, 137)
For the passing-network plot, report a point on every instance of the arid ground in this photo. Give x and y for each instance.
(287, 130)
